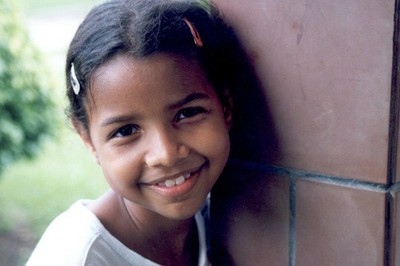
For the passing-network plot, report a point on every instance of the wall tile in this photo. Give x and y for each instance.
(250, 219)
(338, 225)
(325, 67)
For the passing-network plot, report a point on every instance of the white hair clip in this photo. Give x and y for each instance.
(74, 80)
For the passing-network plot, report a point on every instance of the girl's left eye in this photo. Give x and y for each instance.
(189, 112)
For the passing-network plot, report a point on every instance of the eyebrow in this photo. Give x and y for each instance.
(123, 119)
(115, 120)
(192, 97)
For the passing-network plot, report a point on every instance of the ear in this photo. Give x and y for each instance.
(85, 137)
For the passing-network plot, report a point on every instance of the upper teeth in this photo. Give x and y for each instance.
(176, 181)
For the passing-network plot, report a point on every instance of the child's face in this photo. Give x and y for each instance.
(158, 131)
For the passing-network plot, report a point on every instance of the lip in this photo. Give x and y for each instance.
(177, 190)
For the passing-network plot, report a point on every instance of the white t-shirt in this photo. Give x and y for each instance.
(77, 237)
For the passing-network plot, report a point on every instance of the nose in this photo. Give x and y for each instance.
(165, 148)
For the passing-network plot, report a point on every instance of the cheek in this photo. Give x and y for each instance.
(120, 168)
(216, 143)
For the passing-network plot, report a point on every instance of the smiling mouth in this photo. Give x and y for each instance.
(176, 181)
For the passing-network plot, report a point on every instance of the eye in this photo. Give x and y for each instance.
(189, 113)
(126, 131)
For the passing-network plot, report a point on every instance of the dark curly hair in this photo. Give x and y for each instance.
(141, 28)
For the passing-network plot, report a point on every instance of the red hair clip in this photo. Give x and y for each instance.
(195, 33)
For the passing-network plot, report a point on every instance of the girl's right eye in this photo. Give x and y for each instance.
(126, 131)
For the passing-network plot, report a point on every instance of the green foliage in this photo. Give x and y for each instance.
(26, 108)
(34, 192)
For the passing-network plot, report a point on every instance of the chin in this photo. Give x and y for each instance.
(183, 212)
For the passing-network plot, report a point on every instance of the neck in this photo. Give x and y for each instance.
(160, 239)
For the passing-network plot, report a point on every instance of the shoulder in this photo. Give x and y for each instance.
(68, 238)
(77, 237)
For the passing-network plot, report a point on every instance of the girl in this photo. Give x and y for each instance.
(148, 83)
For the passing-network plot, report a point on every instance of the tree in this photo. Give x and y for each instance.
(27, 113)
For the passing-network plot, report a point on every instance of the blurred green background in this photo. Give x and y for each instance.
(33, 192)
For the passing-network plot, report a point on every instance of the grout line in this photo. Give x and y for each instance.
(389, 231)
(349, 183)
(292, 222)
(389, 247)
(395, 187)
(394, 101)
(332, 180)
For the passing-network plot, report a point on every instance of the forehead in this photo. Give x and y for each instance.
(125, 81)
(148, 69)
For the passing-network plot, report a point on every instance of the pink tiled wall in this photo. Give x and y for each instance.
(313, 176)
